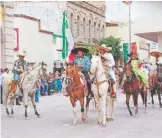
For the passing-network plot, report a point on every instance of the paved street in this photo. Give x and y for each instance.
(57, 115)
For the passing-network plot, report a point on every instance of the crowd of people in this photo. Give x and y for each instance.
(44, 87)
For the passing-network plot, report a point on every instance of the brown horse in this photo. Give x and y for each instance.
(76, 90)
(131, 87)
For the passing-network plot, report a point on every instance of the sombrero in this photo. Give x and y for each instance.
(75, 50)
(21, 53)
(104, 47)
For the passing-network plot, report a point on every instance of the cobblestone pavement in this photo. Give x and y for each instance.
(56, 122)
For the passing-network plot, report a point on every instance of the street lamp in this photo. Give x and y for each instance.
(129, 4)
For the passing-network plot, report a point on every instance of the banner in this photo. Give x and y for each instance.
(125, 52)
(16, 38)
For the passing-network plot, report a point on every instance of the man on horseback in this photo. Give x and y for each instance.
(18, 69)
(83, 64)
(108, 64)
(136, 65)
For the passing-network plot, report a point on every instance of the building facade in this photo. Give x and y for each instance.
(87, 21)
(30, 26)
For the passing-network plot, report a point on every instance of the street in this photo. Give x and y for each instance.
(57, 116)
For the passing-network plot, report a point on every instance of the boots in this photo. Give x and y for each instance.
(13, 88)
(18, 101)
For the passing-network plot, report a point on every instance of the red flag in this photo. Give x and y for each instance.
(134, 48)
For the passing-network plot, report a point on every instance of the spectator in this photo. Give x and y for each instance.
(1, 76)
(58, 82)
(37, 94)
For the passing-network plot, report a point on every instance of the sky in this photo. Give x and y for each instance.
(117, 11)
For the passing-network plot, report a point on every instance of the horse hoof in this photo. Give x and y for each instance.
(83, 119)
(74, 123)
(39, 116)
(136, 115)
(99, 122)
(160, 106)
(26, 118)
(12, 116)
(108, 119)
(103, 125)
(111, 119)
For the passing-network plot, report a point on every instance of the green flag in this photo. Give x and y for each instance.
(125, 52)
(64, 40)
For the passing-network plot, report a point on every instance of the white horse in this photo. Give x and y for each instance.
(99, 88)
(28, 81)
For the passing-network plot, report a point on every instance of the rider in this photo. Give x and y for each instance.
(19, 67)
(136, 65)
(83, 63)
(108, 64)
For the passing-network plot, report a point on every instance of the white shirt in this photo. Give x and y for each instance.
(110, 59)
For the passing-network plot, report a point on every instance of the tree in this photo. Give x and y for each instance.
(115, 44)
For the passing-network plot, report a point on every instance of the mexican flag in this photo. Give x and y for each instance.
(69, 39)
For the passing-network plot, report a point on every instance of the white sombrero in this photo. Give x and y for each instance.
(21, 53)
(104, 47)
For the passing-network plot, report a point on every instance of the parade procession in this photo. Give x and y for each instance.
(81, 69)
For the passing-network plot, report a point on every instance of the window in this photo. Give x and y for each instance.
(78, 25)
(84, 28)
(89, 29)
(99, 31)
(94, 29)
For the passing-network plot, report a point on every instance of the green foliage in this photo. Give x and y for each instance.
(115, 44)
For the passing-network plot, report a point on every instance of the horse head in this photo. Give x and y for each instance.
(95, 63)
(128, 71)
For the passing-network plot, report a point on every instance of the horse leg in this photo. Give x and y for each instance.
(81, 100)
(72, 100)
(12, 105)
(97, 99)
(26, 98)
(110, 107)
(135, 99)
(127, 103)
(5, 102)
(87, 105)
(34, 105)
(104, 99)
(159, 97)
(152, 97)
(145, 99)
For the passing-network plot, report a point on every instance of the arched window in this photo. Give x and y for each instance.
(84, 28)
(78, 25)
(94, 29)
(71, 22)
(103, 31)
(99, 31)
(89, 27)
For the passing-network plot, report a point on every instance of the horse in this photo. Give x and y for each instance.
(26, 88)
(157, 85)
(100, 88)
(131, 86)
(76, 90)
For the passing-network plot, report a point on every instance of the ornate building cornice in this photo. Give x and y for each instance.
(89, 7)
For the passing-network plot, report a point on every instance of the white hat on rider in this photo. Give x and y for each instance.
(21, 53)
(104, 47)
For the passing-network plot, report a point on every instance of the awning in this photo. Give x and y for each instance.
(152, 36)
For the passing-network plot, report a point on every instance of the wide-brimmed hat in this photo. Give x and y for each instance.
(75, 50)
(21, 53)
(104, 47)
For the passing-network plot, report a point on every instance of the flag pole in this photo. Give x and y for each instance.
(130, 31)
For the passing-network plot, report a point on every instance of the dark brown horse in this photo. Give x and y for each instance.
(76, 90)
(131, 87)
(157, 85)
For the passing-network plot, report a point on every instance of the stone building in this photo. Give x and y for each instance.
(87, 21)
